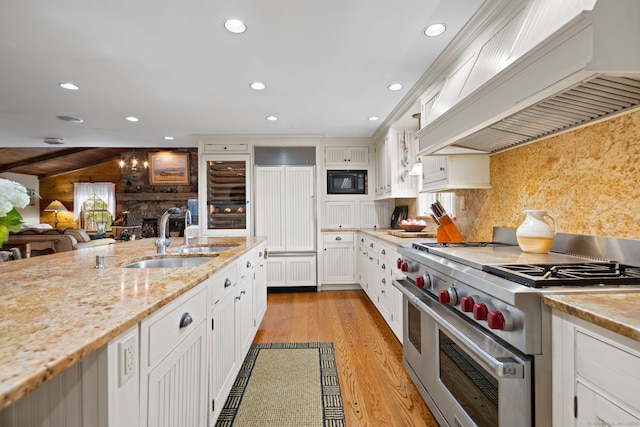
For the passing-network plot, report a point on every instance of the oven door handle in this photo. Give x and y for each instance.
(502, 367)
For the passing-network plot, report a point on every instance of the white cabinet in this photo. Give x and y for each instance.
(225, 148)
(394, 155)
(344, 156)
(173, 363)
(596, 374)
(290, 271)
(260, 288)
(460, 171)
(224, 359)
(339, 214)
(102, 390)
(338, 262)
(376, 264)
(391, 298)
(383, 167)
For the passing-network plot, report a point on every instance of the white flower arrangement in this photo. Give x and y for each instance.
(12, 195)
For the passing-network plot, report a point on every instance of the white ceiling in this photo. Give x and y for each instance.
(326, 65)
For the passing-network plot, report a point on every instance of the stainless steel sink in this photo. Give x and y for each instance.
(205, 249)
(169, 262)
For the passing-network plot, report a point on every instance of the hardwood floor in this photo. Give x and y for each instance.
(376, 389)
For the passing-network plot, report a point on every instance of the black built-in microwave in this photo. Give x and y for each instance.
(346, 182)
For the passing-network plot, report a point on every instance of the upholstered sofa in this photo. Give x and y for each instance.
(65, 239)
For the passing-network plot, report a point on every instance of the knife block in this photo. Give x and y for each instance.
(447, 232)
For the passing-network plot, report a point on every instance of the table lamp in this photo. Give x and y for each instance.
(55, 207)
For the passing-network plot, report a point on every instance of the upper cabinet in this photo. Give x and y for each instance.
(349, 157)
(394, 155)
(455, 172)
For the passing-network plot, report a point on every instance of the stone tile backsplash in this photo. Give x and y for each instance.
(588, 178)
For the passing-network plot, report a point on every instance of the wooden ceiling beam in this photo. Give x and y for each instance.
(42, 158)
(113, 158)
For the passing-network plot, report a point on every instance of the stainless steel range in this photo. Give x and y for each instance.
(477, 335)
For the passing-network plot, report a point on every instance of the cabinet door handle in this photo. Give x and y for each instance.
(338, 238)
(185, 320)
(227, 282)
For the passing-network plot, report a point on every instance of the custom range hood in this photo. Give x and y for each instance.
(587, 69)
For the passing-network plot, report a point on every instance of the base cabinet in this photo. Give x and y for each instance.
(376, 269)
(595, 375)
(338, 263)
(174, 363)
(92, 392)
(291, 271)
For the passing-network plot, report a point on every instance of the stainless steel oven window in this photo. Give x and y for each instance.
(472, 386)
(415, 327)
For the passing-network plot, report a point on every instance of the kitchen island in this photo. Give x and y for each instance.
(58, 309)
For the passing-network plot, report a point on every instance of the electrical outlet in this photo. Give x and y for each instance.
(127, 359)
(461, 203)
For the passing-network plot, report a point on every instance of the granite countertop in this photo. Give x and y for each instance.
(381, 234)
(617, 312)
(56, 309)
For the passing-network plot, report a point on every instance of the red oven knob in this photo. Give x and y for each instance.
(404, 266)
(420, 281)
(399, 263)
(500, 319)
(480, 311)
(448, 296)
(467, 303)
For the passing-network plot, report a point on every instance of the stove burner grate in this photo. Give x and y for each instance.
(582, 274)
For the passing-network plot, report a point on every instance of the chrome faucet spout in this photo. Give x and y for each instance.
(187, 223)
(163, 241)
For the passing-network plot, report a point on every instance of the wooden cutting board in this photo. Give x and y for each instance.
(414, 234)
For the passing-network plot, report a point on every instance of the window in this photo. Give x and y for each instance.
(448, 201)
(93, 204)
(95, 215)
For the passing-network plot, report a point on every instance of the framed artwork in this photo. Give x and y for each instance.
(169, 168)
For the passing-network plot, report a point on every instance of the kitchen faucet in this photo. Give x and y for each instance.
(164, 241)
(187, 222)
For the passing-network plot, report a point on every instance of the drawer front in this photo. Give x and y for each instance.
(222, 283)
(164, 330)
(337, 237)
(610, 367)
(247, 262)
(221, 148)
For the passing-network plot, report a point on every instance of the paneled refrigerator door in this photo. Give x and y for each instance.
(226, 188)
(285, 207)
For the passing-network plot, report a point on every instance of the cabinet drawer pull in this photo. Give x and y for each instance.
(384, 252)
(185, 320)
(338, 238)
(248, 264)
(227, 282)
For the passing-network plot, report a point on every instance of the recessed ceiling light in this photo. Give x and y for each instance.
(68, 86)
(271, 118)
(235, 26)
(257, 86)
(374, 118)
(132, 119)
(70, 119)
(395, 86)
(169, 138)
(435, 30)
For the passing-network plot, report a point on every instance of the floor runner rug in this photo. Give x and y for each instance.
(285, 384)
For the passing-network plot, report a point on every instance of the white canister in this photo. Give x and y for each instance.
(535, 235)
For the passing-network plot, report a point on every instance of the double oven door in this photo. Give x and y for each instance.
(466, 377)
